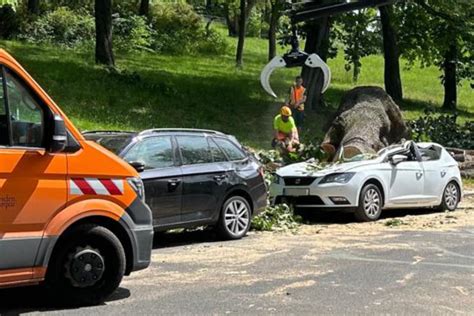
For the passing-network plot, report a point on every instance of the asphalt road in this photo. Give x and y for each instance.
(337, 271)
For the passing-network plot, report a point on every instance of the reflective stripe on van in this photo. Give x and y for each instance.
(94, 186)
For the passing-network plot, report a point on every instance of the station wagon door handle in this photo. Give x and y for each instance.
(220, 178)
(173, 184)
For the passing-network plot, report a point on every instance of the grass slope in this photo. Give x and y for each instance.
(201, 91)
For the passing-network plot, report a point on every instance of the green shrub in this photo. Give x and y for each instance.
(443, 129)
(254, 26)
(9, 23)
(278, 217)
(132, 33)
(62, 26)
(178, 29)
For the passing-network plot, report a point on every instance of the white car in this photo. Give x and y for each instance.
(411, 175)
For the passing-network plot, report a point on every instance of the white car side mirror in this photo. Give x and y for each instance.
(396, 159)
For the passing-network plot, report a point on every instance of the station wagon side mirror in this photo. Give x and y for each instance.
(59, 136)
(138, 165)
(396, 159)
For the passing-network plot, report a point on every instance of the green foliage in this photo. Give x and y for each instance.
(132, 33)
(443, 129)
(360, 35)
(178, 29)
(427, 30)
(62, 26)
(9, 23)
(278, 217)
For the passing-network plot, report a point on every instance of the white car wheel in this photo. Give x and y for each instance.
(451, 197)
(370, 204)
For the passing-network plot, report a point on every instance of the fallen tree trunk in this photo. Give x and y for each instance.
(367, 120)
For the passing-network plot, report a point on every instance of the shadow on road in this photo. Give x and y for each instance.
(182, 238)
(34, 299)
(314, 217)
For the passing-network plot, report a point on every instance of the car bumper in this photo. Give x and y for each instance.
(138, 218)
(330, 196)
(260, 198)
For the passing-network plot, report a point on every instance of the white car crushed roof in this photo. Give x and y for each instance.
(411, 175)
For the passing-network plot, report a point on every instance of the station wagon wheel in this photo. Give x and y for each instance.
(370, 204)
(235, 218)
(450, 198)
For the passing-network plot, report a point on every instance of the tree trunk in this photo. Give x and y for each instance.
(33, 6)
(274, 17)
(449, 80)
(242, 30)
(144, 7)
(230, 22)
(393, 83)
(317, 41)
(350, 134)
(103, 24)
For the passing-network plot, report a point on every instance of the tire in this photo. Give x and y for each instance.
(451, 197)
(89, 280)
(370, 204)
(235, 218)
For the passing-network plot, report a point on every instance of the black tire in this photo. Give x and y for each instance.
(451, 197)
(230, 230)
(60, 281)
(370, 204)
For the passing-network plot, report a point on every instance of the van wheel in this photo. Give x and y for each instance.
(450, 198)
(235, 218)
(86, 267)
(370, 204)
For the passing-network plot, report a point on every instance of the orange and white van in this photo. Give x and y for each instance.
(72, 215)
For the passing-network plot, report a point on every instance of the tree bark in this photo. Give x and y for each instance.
(393, 82)
(317, 41)
(230, 22)
(103, 23)
(144, 7)
(350, 134)
(246, 7)
(449, 80)
(274, 17)
(33, 6)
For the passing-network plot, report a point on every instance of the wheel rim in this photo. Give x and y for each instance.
(372, 203)
(85, 267)
(451, 196)
(237, 217)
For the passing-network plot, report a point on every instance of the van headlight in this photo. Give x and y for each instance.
(138, 187)
(338, 177)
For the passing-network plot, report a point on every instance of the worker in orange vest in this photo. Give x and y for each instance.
(296, 101)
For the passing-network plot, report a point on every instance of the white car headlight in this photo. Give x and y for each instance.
(138, 187)
(338, 177)
(277, 179)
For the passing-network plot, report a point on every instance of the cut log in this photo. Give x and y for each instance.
(367, 120)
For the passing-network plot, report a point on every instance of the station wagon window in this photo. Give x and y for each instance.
(154, 152)
(26, 116)
(232, 151)
(194, 149)
(217, 154)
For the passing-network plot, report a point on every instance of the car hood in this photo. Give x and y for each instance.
(305, 169)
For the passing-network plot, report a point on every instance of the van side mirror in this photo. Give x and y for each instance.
(138, 165)
(59, 136)
(396, 159)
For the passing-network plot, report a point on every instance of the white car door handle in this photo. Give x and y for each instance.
(443, 173)
(419, 174)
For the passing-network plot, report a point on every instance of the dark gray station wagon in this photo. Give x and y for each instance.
(193, 177)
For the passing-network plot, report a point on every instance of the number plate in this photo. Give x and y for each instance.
(296, 192)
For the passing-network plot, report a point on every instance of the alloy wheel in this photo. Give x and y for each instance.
(372, 203)
(237, 217)
(451, 196)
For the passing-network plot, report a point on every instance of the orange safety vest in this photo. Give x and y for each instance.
(296, 95)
